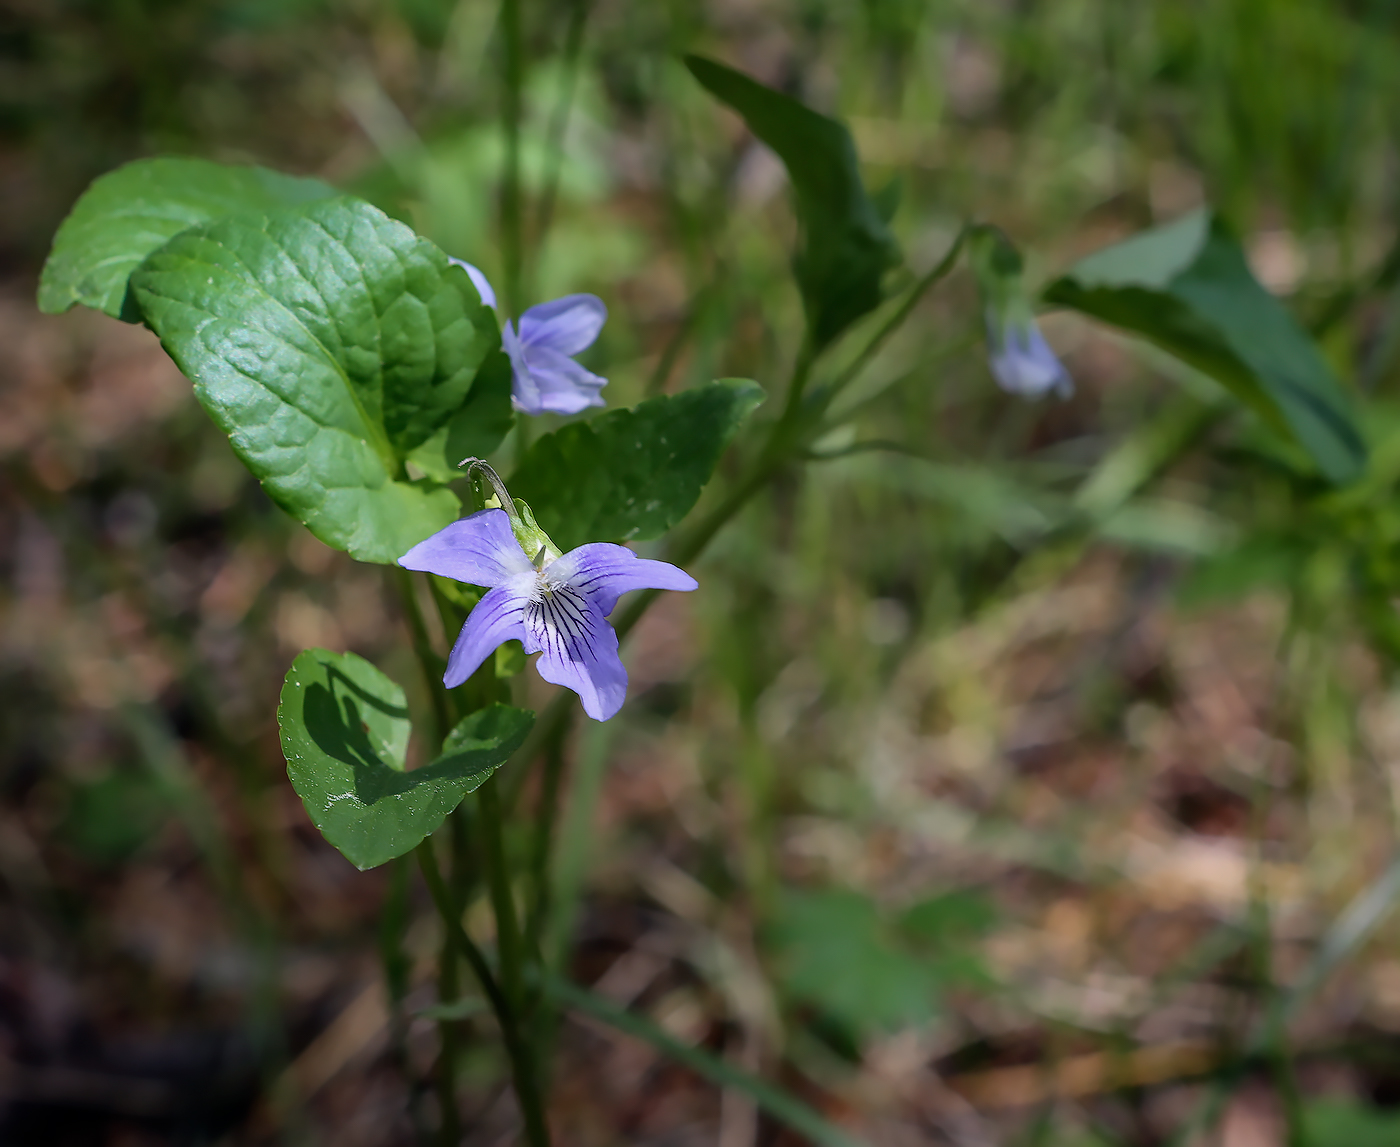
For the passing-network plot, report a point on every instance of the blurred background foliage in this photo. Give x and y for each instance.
(982, 796)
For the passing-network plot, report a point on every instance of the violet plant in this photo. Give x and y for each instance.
(354, 365)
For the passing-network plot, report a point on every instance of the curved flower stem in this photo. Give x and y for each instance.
(894, 322)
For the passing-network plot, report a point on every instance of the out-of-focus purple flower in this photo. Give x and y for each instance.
(544, 375)
(557, 608)
(1022, 361)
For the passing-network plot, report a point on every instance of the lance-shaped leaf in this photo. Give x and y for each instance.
(330, 342)
(632, 474)
(845, 246)
(345, 732)
(1187, 288)
(128, 213)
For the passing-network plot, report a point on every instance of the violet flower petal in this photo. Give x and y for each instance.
(524, 390)
(479, 549)
(563, 386)
(605, 572)
(568, 325)
(479, 281)
(496, 618)
(578, 649)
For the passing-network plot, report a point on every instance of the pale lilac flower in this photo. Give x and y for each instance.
(1022, 361)
(544, 375)
(557, 608)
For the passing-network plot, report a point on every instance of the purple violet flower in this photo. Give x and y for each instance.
(556, 608)
(1022, 361)
(544, 375)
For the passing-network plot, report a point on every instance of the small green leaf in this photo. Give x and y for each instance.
(1187, 288)
(1261, 562)
(948, 919)
(345, 732)
(111, 817)
(128, 213)
(632, 474)
(835, 953)
(330, 343)
(1346, 1123)
(846, 246)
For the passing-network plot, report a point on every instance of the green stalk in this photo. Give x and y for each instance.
(506, 1017)
(512, 221)
(393, 923)
(559, 122)
(784, 444)
(894, 322)
(450, 1124)
(546, 817)
(430, 662)
(511, 953)
(779, 1104)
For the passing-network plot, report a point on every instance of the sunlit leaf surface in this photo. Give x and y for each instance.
(129, 212)
(329, 342)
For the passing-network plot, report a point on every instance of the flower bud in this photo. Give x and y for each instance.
(1019, 357)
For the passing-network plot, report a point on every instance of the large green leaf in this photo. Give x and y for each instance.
(345, 735)
(330, 342)
(476, 429)
(1187, 288)
(846, 246)
(632, 474)
(128, 213)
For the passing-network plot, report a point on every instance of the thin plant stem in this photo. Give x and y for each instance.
(797, 386)
(512, 87)
(511, 953)
(894, 322)
(546, 817)
(393, 922)
(671, 353)
(450, 1124)
(522, 1068)
(427, 659)
(559, 122)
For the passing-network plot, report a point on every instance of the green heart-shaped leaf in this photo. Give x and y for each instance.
(846, 247)
(632, 474)
(128, 213)
(1187, 288)
(345, 734)
(330, 342)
